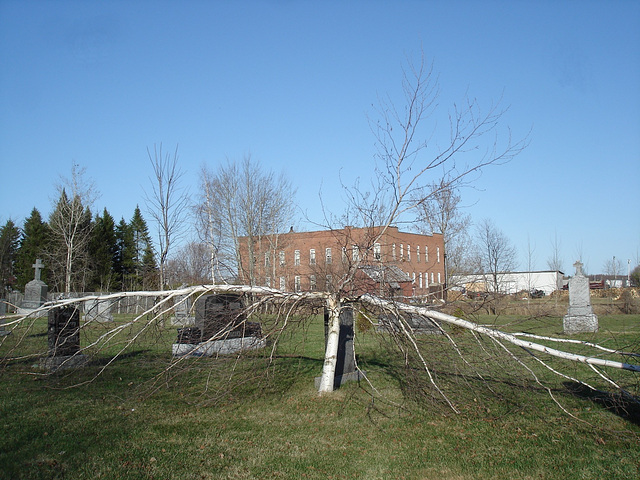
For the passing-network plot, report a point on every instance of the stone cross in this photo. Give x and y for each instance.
(578, 266)
(38, 267)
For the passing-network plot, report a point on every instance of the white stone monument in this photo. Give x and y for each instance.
(35, 292)
(580, 317)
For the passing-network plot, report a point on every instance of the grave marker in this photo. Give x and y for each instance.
(580, 317)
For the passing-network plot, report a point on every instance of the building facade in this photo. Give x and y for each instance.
(322, 260)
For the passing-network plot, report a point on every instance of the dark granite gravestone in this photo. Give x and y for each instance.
(35, 292)
(345, 360)
(220, 328)
(64, 331)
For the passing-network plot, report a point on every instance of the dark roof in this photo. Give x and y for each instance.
(386, 273)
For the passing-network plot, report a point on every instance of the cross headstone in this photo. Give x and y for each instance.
(35, 292)
(580, 317)
(38, 266)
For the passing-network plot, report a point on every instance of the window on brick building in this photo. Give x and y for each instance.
(282, 258)
(312, 256)
(312, 282)
(355, 253)
(327, 256)
(431, 277)
(439, 277)
(297, 285)
(393, 251)
(267, 282)
(344, 255)
(267, 261)
(426, 254)
(420, 279)
(418, 253)
(327, 284)
(408, 252)
(296, 258)
(413, 277)
(376, 251)
(438, 254)
(283, 284)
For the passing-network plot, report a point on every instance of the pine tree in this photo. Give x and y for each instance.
(145, 267)
(123, 265)
(102, 253)
(9, 242)
(34, 244)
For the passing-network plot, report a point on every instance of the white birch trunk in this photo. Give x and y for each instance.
(331, 354)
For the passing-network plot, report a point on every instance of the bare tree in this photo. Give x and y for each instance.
(554, 262)
(497, 254)
(613, 267)
(70, 224)
(242, 201)
(190, 265)
(440, 211)
(167, 202)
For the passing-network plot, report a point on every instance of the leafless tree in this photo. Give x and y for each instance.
(496, 252)
(167, 203)
(554, 262)
(190, 265)
(241, 200)
(440, 211)
(70, 224)
(613, 267)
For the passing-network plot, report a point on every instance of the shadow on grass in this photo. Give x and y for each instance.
(625, 406)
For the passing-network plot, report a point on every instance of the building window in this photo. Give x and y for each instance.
(401, 252)
(344, 254)
(283, 284)
(420, 278)
(439, 277)
(426, 279)
(413, 277)
(376, 251)
(355, 253)
(267, 282)
(438, 253)
(267, 261)
(393, 251)
(282, 258)
(431, 277)
(327, 284)
(418, 253)
(426, 254)
(312, 282)
(312, 256)
(297, 283)
(409, 253)
(296, 258)
(327, 256)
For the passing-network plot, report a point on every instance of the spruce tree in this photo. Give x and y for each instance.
(145, 267)
(34, 244)
(102, 253)
(123, 265)
(9, 242)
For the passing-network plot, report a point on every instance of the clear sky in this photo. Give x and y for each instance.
(294, 84)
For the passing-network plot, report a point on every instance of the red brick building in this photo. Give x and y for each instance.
(388, 262)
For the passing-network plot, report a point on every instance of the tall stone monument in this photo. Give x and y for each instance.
(580, 317)
(35, 292)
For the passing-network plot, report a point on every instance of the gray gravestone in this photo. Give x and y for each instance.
(220, 328)
(3, 311)
(182, 313)
(35, 292)
(98, 310)
(345, 361)
(580, 317)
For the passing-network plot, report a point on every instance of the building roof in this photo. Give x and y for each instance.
(386, 273)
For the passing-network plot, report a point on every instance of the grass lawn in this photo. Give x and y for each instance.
(253, 419)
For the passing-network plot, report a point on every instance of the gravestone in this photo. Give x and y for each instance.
(97, 310)
(418, 325)
(63, 335)
(580, 317)
(182, 312)
(345, 360)
(3, 311)
(220, 328)
(35, 292)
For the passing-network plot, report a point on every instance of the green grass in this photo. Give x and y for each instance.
(253, 419)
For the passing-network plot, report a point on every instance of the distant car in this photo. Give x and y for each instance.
(535, 293)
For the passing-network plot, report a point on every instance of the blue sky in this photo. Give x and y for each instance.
(294, 84)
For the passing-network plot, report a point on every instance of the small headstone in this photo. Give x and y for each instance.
(3, 311)
(580, 317)
(182, 312)
(63, 336)
(35, 292)
(345, 361)
(220, 328)
(97, 310)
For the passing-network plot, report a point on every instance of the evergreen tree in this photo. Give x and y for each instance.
(102, 253)
(34, 244)
(145, 267)
(124, 265)
(9, 242)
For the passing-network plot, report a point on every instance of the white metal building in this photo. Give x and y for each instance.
(509, 282)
